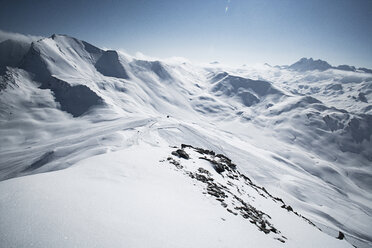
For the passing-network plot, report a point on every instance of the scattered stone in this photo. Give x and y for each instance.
(226, 160)
(204, 171)
(183, 146)
(289, 208)
(214, 190)
(229, 172)
(176, 163)
(181, 154)
(281, 240)
(278, 199)
(229, 210)
(201, 178)
(203, 151)
(341, 235)
(219, 168)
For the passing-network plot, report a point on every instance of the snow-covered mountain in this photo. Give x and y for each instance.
(310, 64)
(91, 151)
(306, 64)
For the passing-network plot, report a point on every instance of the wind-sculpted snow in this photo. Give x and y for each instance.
(296, 103)
(349, 132)
(155, 67)
(74, 99)
(305, 136)
(61, 56)
(248, 91)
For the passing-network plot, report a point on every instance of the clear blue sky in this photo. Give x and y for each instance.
(235, 32)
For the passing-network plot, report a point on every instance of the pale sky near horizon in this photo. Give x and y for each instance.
(234, 32)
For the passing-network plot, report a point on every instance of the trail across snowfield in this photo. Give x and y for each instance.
(82, 131)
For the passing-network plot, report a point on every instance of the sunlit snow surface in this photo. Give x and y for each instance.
(107, 119)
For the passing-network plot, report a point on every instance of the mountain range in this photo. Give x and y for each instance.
(103, 149)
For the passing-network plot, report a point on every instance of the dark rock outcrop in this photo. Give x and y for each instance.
(181, 154)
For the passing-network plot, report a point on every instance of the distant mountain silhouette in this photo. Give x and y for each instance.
(305, 64)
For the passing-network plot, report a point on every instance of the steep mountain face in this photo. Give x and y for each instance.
(76, 99)
(109, 65)
(96, 135)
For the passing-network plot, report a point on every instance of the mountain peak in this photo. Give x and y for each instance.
(309, 64)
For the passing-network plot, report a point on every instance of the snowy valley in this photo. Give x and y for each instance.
(103, 149)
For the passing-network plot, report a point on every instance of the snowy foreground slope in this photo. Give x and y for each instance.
(89, 141)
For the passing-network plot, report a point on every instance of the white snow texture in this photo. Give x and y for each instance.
(87, 135)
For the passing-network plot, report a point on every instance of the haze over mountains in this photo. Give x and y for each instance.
(91, 144)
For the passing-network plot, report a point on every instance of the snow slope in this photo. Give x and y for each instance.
(107, 119)
(132, 201)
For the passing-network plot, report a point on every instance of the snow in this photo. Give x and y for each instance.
(306, 64)
(82, 131)
(120, 199)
